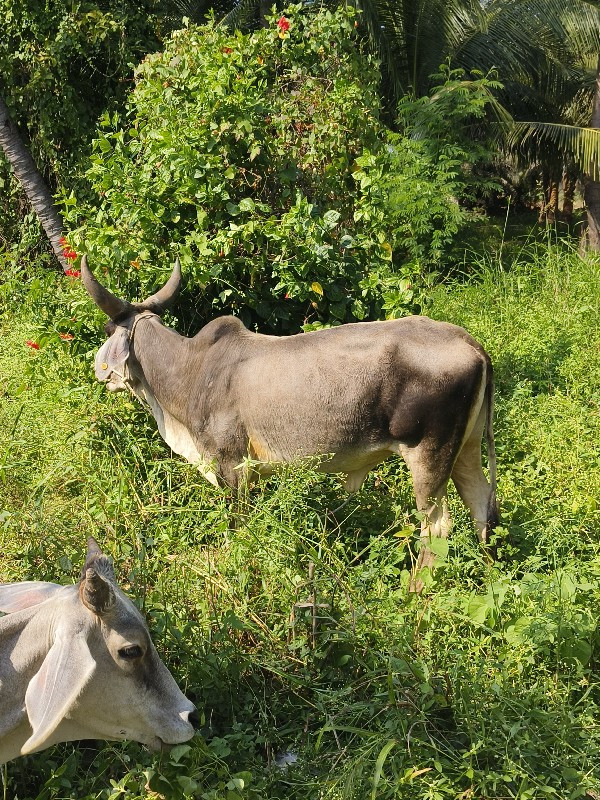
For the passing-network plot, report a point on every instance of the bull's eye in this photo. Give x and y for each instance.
(130, 652)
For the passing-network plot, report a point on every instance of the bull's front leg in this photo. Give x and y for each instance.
(235, 472)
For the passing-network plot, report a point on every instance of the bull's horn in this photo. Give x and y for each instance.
(162, 299)
(96, 592)
(93, 549)
(104, 299)
(96, 559)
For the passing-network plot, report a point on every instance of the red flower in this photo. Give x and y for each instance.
(72, 273)
(66, 337)
(70, 255)
(283, 24)
(63, 242)
(227, 50)
(33, 345)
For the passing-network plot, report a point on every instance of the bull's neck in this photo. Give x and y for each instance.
(161, 363)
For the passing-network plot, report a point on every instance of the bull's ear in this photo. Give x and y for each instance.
(16, 596)
(52, 692)
(113, 354)
(96, 590)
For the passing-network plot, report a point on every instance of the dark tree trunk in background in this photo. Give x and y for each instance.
(32, 182)
(592, 187)
(569, 184)
(264, 8)
(545, 183)
(552, 207)
(549, 206)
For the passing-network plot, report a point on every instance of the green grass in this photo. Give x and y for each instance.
(486, 686)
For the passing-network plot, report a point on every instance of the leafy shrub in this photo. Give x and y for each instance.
(432, 163)
(262, 161)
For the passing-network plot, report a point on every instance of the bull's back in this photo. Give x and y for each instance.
(358, 386)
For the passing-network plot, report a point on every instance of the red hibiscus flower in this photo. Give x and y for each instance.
(33, 345)
(283, 24)
(73, 273)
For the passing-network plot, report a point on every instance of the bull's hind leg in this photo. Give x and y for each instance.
(430, 473)
(471, 483)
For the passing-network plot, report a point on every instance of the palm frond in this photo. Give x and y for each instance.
(243, 15)
(580, 144)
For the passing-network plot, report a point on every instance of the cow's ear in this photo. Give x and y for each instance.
(16, 596)
(96, 590)
(113, 354)
(52, 692)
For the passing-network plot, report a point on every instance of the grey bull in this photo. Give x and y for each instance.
(77, 662)
(232, 401)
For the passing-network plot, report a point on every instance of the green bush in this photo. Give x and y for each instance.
(262, 161)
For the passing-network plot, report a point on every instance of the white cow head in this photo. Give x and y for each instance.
(77, 662)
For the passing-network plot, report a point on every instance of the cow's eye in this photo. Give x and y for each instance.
(130, 652)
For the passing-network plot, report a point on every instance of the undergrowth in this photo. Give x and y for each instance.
(295, 632)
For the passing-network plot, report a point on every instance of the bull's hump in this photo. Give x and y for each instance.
(220, 328)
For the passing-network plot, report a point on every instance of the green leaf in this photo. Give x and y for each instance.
(383, 754)
(189, 785)
(478, 609)
(439, 546)
(177, 752)
(517, 631)
(331, 218)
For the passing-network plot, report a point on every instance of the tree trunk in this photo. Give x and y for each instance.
(264, 7)
(592, 186)
(545, 192)
(552, 207)
(549, 207)
(32, 182)
(569, 184)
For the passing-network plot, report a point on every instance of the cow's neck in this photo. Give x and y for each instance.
(160, 363)
(164, 363)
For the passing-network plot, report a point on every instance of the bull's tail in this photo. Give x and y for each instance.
(492, 505)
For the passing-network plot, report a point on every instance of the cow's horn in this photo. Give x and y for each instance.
(96, 592)
(162, 299)
(104, 299)
(96, 559)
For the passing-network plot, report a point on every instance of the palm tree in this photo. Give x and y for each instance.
(592, 184)
(32, 182)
